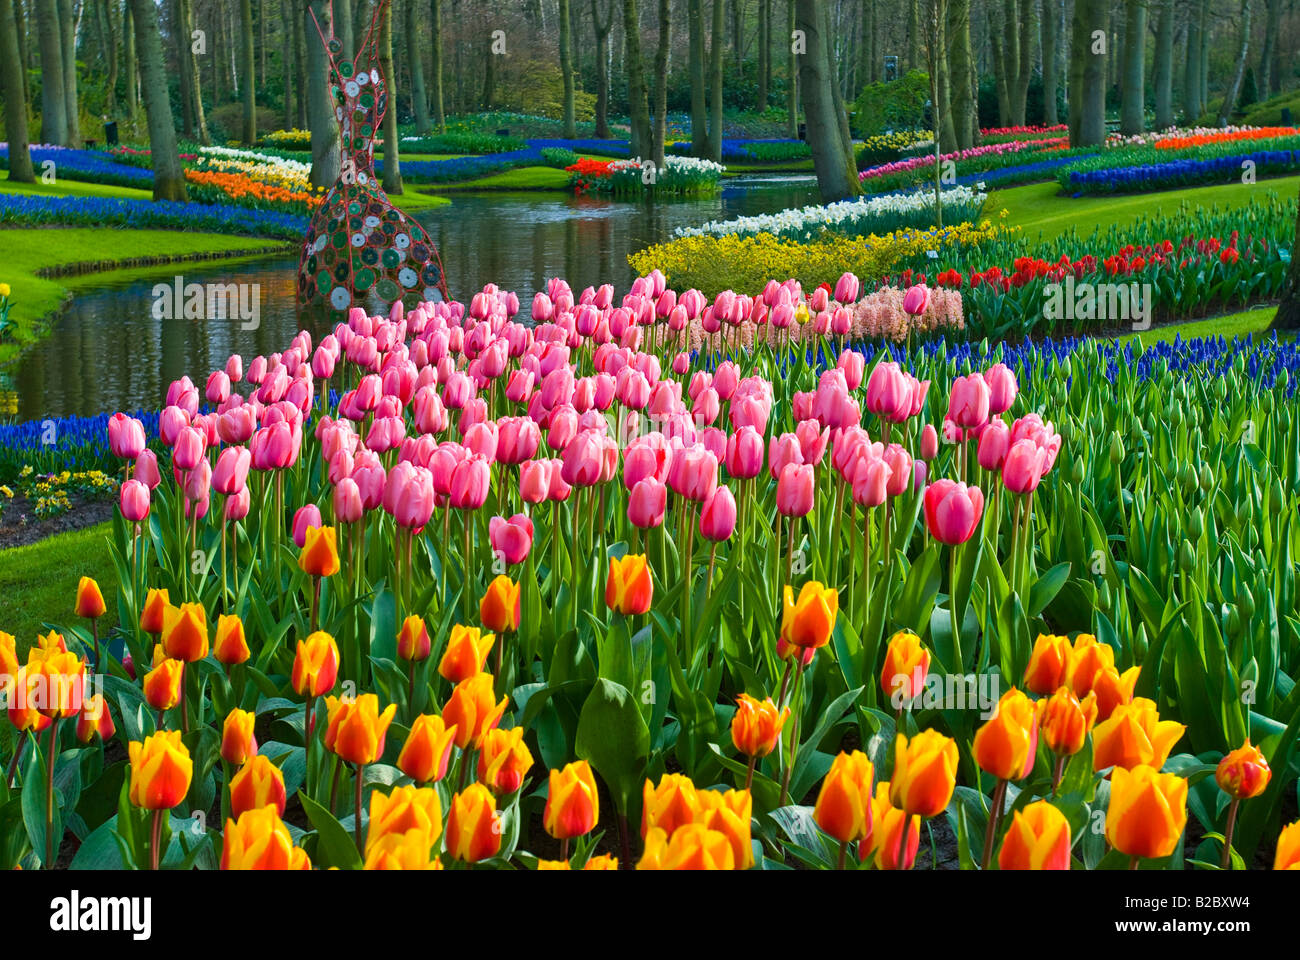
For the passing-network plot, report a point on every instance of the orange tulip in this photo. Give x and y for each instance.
(670, 805)
(47, 646)
(1134, 735)
(185, 632)
(906, 664)
(405, 812)
(756, 726)
(466, 653)
(503, 760)
(629, 589)
(1287, 856)
(259, 783)
(60, 682)
(887, 824)
(161, 769)
(151, 617)
(231, 647)
(809, 620)
(572, 805)
(90, 602)
(259, 840)
(401, 851)
(413, 643)
(1038, 839)
(843, 807)
(1243, 773)
(1048, 664)
(498, 610)
(94, 719)
(320, 552)
(1147, 812)
(691, 847)
(1066, 721)
(1008, 743)
(473, 825)
(237, 740)
(1113, 688)
(925, 773)
(427, 749)
(8, 658)
(602, 861)
(729, 813)
(24, 695)
(1087, 658)
(472, 709)
(554, 865)
(315, 665)
(162, 684)
(356, 728)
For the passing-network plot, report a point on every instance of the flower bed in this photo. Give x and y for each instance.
(23, 210)
(1179, 173)
(680, 177)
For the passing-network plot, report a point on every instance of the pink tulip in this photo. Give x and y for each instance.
(146, 469)
(871, 476)
(995, 441)
(134, 501)
(198, 482)
(889, 393)
(368, 473)
(1002, 388)
(853, 366)
(236, 426)
(718, 515)
(347, 501)
(534, 480)
(171, 421)
(952, 511)
(1024, 466)
(917, 300)
(813, 438)
(582, 460)
(968, 404)
(900, 465)
(237, 507)
(125, 436)
(218, 387)
(794, 490)
(511, 538)
(783, 450)
(305, 517)
(846, 288)
(694, 473)
(744, 456)
(231, 473)
(188, 449)
(646, 503)
(469, 483)
(235, 368)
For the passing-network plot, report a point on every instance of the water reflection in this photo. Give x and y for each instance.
(108, 352)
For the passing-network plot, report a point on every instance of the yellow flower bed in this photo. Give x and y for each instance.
(746, 263)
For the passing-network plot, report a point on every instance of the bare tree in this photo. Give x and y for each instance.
(168, 175)
(1243, 50)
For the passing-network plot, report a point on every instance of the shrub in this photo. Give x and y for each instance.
(896, 105)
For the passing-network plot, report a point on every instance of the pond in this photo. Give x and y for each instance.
(107, 352)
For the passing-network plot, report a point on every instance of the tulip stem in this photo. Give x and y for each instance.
(844, 846)
(794, 734)
(49, 795)
(13, 764)
(995, 814)
(785, 679)
(1227, 833)
(1133, 864)
(185, 701)
(564, 849)
(155, 838)
(315, 602)
(952, 610)
(1057, 772)
(356, 826)
(309, 724)
(467, 592)
(749, 773)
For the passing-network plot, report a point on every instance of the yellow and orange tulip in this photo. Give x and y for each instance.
(466, 652)
(1038, 839)
(320, 552)
(185, 632)
(1048, 664)
(259, 840)
(1067, 720)
(843, 807)
(1243, 773)
(503, 760)
(670, 805)
(315, 665)
(925, 773)
(691, 847)
(162, 684)
(156, 603)
(887, 825)
(1147, 813)
(906, 664)
(231, 646)
(473, 710)
(1134, 736)
(473, 825)
(498, 610)
(161, 769)
(809, 620)
(1007, 743)
(572, 805)
(629, 589)
(756, 725)
(237, 740)
(94, 719)
(259, 783)
(356, 728)
(90, 602)
(413, 643)
(427, 750)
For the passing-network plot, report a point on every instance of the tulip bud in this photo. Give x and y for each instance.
(1116, 448)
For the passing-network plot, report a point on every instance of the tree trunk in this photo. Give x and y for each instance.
(1000, 76)
(419, 96)
(961, 101)
(661, 83)
(867, 52)
(20, 30)
(287, 62)
(1163, 68)
(130, 66)
(717, 50)
(11, 85)
(54, 105)
(303, 68)
(392, 159)
(1133, 99)
(320, 111)
(837, 97)
(1243, 50)
(108, 31)
(792, 75)
(1205, 54)
(439, 110)
(566, 70)
(1011, 57)
(1192, 71)
(345, 25)
(68, 33)
(764, 52)
(1088, 94)
(168, 175)
(638, 108)
(248, 132)
(836, 174)
(181, 40)
(1272, 23)
(699, 105)
(1051, 79)
(913, 34)
(1288, 312)
(602, 30)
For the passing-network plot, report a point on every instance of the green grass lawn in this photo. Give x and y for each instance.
(520, 178)
(38, 582)
(75, 188)
(1041, 209)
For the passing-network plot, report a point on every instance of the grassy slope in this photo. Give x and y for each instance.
(520, 178)
(38, 582)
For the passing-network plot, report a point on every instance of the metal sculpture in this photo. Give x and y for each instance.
(358, 243)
